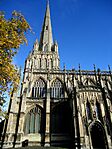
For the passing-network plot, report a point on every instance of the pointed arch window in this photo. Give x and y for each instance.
(57, 89)
(34, 121)
(39, 89)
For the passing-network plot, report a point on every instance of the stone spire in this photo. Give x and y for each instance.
(46, 39)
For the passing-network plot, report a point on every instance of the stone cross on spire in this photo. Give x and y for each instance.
(46, 39)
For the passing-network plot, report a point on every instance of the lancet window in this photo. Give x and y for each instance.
(57, 89)
(39, 89)
(33, 121)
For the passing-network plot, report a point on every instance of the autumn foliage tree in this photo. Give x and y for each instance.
(12, 35)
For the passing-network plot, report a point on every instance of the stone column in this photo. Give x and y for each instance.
(47, 128)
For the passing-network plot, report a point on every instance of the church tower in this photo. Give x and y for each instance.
(62, 108)
(44, 55)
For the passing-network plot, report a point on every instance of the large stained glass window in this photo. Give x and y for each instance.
(39, 89)
(57, 89)
(33, 121)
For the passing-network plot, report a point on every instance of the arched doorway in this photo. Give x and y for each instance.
(62, 125)
(98, 136)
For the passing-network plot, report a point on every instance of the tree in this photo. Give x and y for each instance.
(12, 35)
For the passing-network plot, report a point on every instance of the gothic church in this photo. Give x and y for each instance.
(62, 108)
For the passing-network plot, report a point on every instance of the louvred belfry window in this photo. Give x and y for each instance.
(57, 89)
(39, 89)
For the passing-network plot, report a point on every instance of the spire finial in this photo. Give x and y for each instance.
(47, 2)
(94, 67)
(46, 39)
(109, 67)
(79, 67)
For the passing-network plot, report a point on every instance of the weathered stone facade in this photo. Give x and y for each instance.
(68, 108)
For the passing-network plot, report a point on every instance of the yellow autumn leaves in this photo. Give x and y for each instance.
(12, 34)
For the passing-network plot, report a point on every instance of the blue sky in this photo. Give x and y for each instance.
(82, 28)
